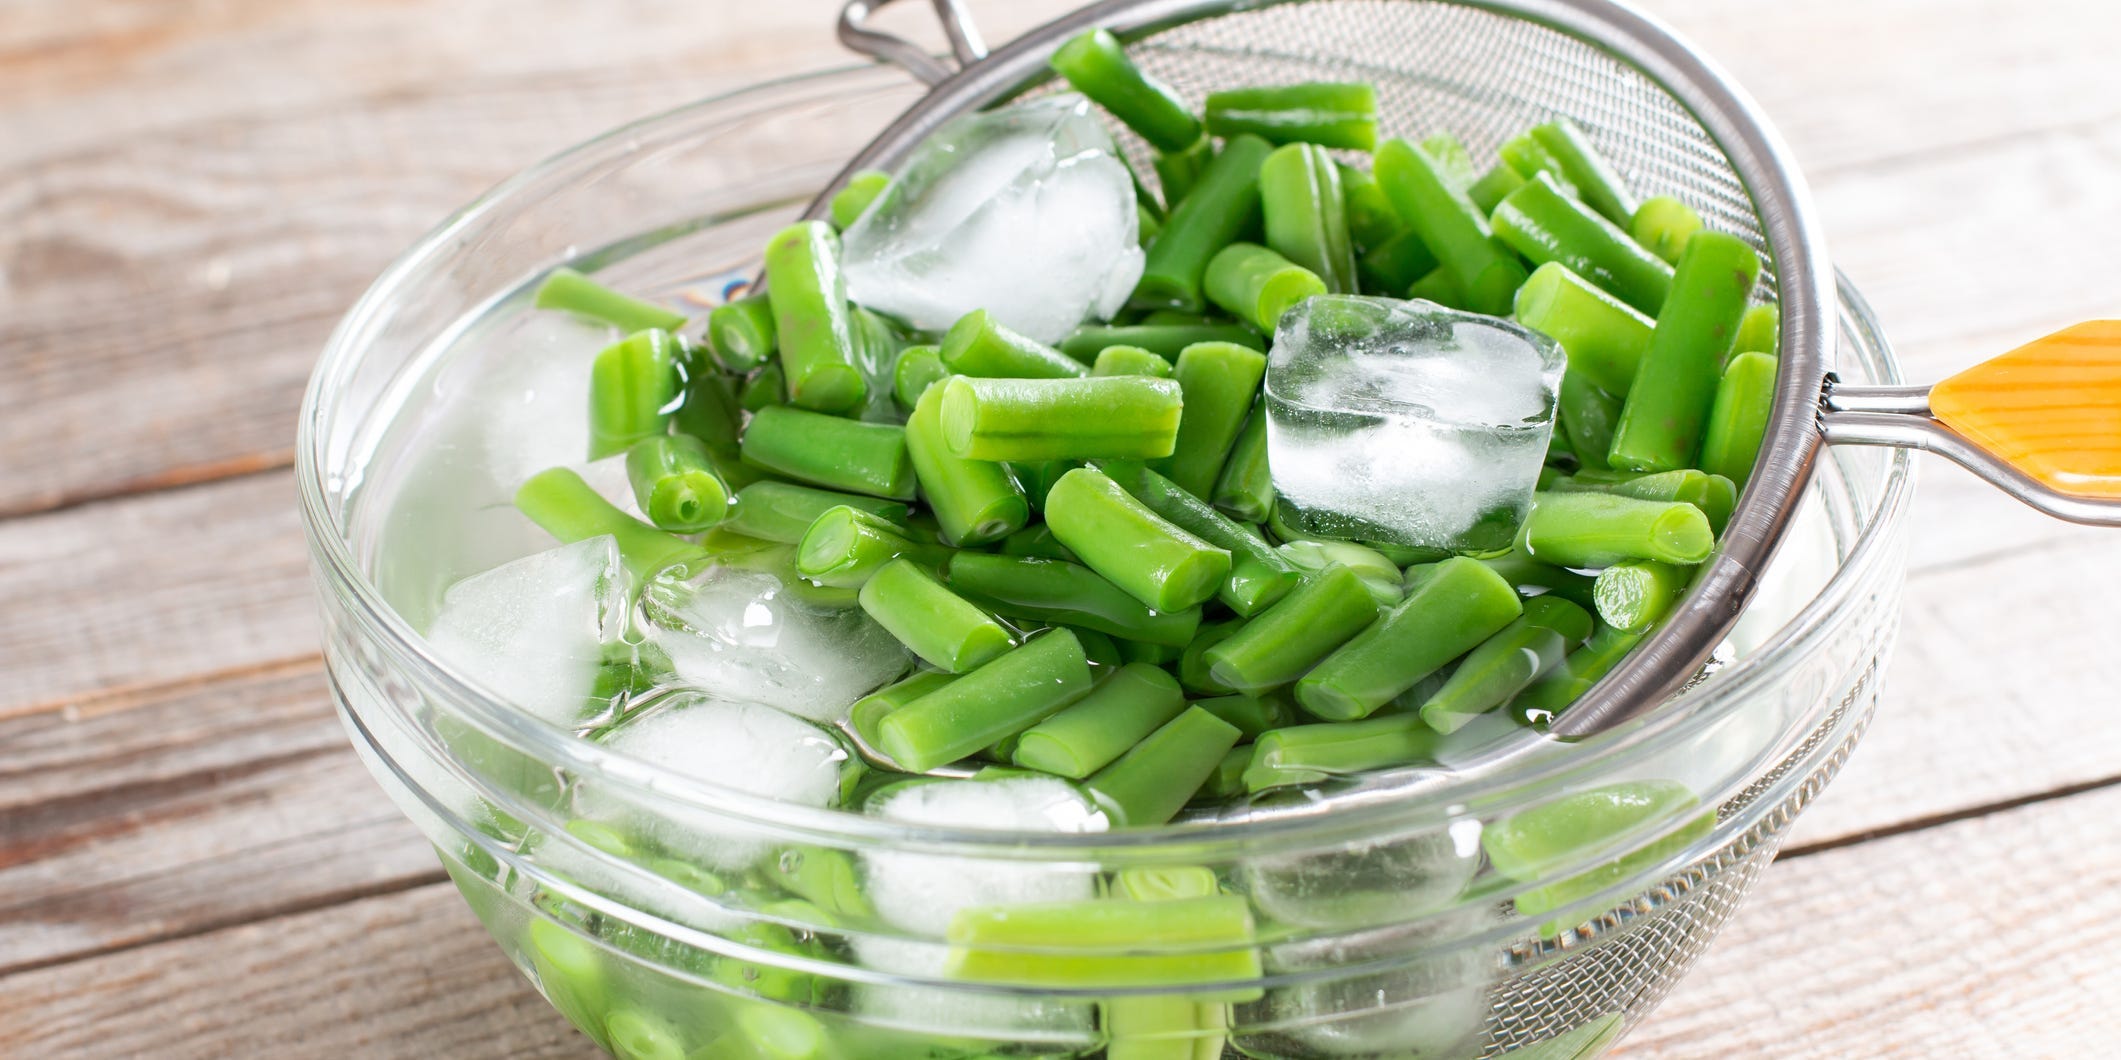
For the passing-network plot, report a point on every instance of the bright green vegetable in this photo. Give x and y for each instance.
(1252, 715)
(1259, 575)
(740, 333)
(1586, 413)
(783, 511)
(1193, 671)
(1371, 220)
(1604, 339)
(1096, 729)
(1378, 573)
(1164, 340)
(1218, 383)
(675, 483)
(1449, 224)
(1661, 423)
(980, 345)
(1633, 595)
(1545, 225)
(1452, 159)
(1594, 530)
(1493, 186)
(1130, 360)
(1590, 826)
(1006, 696)
(1738, 417)
(1257, 285)
(1106, 945)
(709, 412)
(1287, 639)
(1156, 777)
(974, 501)
(851, 201)
(930, 620)
(1179, 171)
(566, 289)
(1565, 684)
(1037, 477)
(1396, 265)
(1440, 286)
(1663, 225)
(1306, 214)
(1531, 159)
(572, 973)
(846, 546)
(1527, 573)
(1096, 65)
(811, 321)
(831, 451)
(917, 368)
(567, 508)
(1308, 754)
(1600, 188)
(1459, 604)
(1760, 331)
(634, 386)
(1119, 537)
(1128, 416)
(1713, 494)
(1245, 489)
(1330, 114)
(1046, 590)
(1221, 205)
(767, 386)
(1036, 541)
(869, 710)
(1508, 662)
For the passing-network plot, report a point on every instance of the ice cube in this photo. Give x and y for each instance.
(1429, 1000)
(1408, 422)
(531, 396)
(1037, 1025)
(1365, 883)
(1026, 212)
(535, 629)
(739, 635)
(921, 892)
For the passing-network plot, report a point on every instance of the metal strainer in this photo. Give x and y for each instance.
(1672, 123)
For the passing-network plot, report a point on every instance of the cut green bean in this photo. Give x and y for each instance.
(740, 333)
(974, 501)
(918, 368)
(1179, 171)
(934, 623)
(1130, 360)
(869, 710)
(572, 973)
(570, 291)
(1760, 331)
(1309, 754)
(1587, 413)
(1596, 530)
(1259, 575)
(1096, 65)
(1493, 186)
(1713, 494)
(1663, 225)
(1661, 423)
(1441, 286)
(1036, 478)
(831, 451)
(851, 201)
(1119, 537)
(979, 345)
(1327, 113)
(709, 411)
(1100, 944)
(1396, 265)
(1252, 715)
(846, 546)
(1377, 572)
(1153, 654)
(1565, 684)
(1046, 590)
(1156, 777)
(1245, 489)
(1545, 225)
(634, 386)
(1633, 595)
(1531, 160)
(1452, 159)
(1218, 382)
(675, 483)
(1008, 695)
(1508, 662)
(828, 879)
(1146, 225)
(569, 509)
(1102, 650)
(1257, 285)
(1096, 729)
(1457, 605)
(811, 321)
(1617, 820)
(1286, 640)
(1036, 542)
(1524, 572)
(782, 511)
(1164, 340)
(1603, 337)
(1453, 229)
(1220, 206)
(1121, 416)
(1600, 188)
(1371, 221)
(1193, 672)
(767, 386)
(1306, 213)
(1228, 780)
(1745, 396)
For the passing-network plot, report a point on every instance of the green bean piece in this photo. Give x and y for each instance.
(1603, 337)
(740, 333)
(1713, 494)
(1601, 188)
(1193, 673)
(568, 290)
(1037, 542)
(1371, 221)
(1286, 640)
(1537, 844)
(1119, 537)
(1395, 265)
(877, 345)
(1450, 225)
(1634, 595)
(1153, 654)
(1524, 572)
(1154, 779)
(1219, 382)
(1596, 530)
(1308, 754)
(634, 385)
(1668, 405)
(1457, 605)
(1046, 590)
(1452, 159)
(1146, 225)
(1379, 575)
(1090, 733)
(1587, 413)
(1560, 452)
(1441, 286)
(570, 510)
(1036, 478)
(1326, 113)
(979, 345)
(917, 368)
(1508, 662)
(1745, 396)
(1220, 206)
(1097, 66)
(974, 501)
(573, 976)
(1245, 489)
(1021, 688)
(869, 710)
(1023, 420)
(1664, 224)
(853, 199)
(1760, 331)
(1544, 224)
(675, 484)
(1228, 780)
(831, 451)
(1565, 684)
(709, 411)
(1164, 340)
(1130, 360)
(1259, 575)
(767, 386)
(1168, 944)
(1179, 171)
(934, 623)
(1531, 159)
(845, 547)
(826, 878)
(1257, 285)
(1252, 715)
(1493, 186)
(811, 321)
(640, 1034)
(1306, 213)
(782, 511)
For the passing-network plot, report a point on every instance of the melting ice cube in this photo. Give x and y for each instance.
(1408, 422)
(921, 892)
(535, 629)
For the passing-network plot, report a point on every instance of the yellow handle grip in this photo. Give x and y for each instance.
(2050, 408)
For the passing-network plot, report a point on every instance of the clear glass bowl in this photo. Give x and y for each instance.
(1382, 931)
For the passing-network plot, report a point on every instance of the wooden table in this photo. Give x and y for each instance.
(192, 863)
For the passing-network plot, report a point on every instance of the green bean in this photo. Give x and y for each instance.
(1154, 779)
(634, 386)
(918, 368)
(1565, 684)
(1594, 530)
(1179, 171)
(980, 345)
(1524, 572)
(1095, 65)
(572, 973)
(1663, 225)
(1448, 223)
(1038, 542)
(1378, 573)
(1130, 360)
(767, 386)
(1760, 331)
(1164, 340)
(740, 333)
(1257, 285)
(1508, 662)
(853, 199)
(1252, 715)
(1146, 225)
(1259, 575)
(1306, 213)
(1096, 729)
(643, 1034)
(877, 345)
(1120, 538)
(1308, 754)
(826, 878)
(1531, 159)
(1245, 489)
(1542, 223)
(1603, 337)
(1021, 688)
(869, 710)
(1738, 417)
(675, 484)
(811, 322)
(1601, 188)
(1452, 159)
(930, 620)
(1493, 186)
(1330, 114)
(845, 547)
(1588, 414)
(1457, 605)
(1441, 286)
(1535, 845)
(1219, 207)
(974, 501)
(831, 451)
(1633, 595)
(709, 411)
(782, 511)
(1106, 945)
(1046, 590)
(1713, 494)
(1285, 640)
(1218, 382)
(1193, 673)
(1395, 265)
(1371, 220)
(1121, 416)
(1661, 422)
(1153, 654)
(1228, 780)
(567, 508)
(568, 290)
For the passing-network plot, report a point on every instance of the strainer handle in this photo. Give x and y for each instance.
(966, 45)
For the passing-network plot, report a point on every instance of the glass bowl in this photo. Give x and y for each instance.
(1378, 929)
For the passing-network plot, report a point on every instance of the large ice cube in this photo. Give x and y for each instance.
(1026, 212)
(921, 892)
(1408, 422)
(535, 630)
(739, 635)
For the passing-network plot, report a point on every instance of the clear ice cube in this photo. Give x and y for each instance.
(1408, 422)
(1026, 212)
(535, 630)
(921, 892)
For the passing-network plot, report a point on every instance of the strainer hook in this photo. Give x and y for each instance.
(966, 44)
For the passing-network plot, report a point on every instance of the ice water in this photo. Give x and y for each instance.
(1407, 422)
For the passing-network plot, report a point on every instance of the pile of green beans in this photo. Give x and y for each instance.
(1078, 541)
